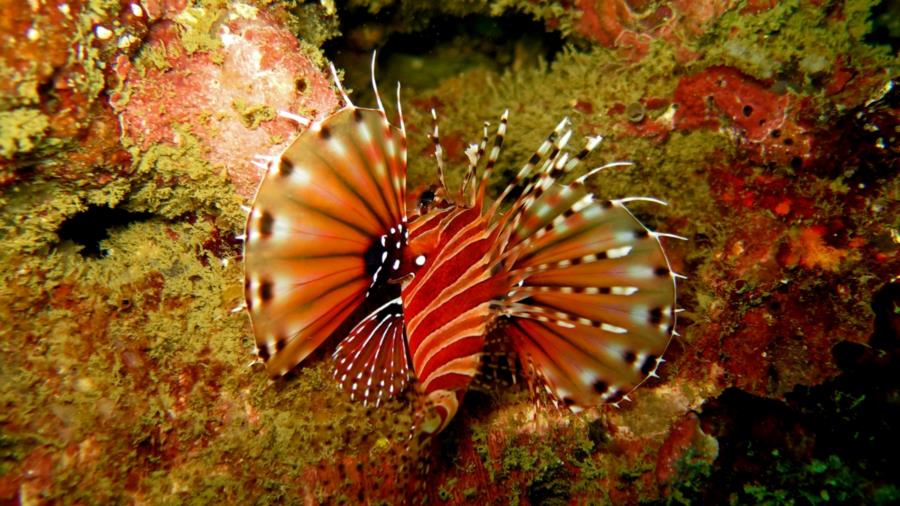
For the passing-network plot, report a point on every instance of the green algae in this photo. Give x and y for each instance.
(198, 26)
(251, 115)
(33, 215)
(825, 481)
(311, 22)
(13, 449)
(551, 459)
(25, 88)
(789, 35)
(191, 302)
(661, 168)
(157, 57)
(23, 129)
(177, 180)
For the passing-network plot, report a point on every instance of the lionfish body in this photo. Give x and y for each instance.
(576, 289)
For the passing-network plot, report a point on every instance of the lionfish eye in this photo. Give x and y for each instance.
(426, 199)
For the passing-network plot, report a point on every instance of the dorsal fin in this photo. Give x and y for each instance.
(492, 159)
(591, 303)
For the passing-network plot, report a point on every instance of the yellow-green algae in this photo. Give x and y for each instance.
(251, 115)
(155, 56)
(311, 21)
(198, 26)
(661, 169)
(24, 127)
(120, 357)
(152, 318)
(178, 180)
(791, 34)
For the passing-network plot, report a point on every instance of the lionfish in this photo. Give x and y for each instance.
(575, 289)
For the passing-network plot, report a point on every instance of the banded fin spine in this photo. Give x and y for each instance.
(474, 153)
(371, 363)
(492, 159)
(590, 304)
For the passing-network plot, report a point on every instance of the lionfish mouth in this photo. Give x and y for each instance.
(574, 290)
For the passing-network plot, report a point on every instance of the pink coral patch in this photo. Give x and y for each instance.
(259, 69)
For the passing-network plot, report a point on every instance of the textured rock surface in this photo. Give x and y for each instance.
(225, 89)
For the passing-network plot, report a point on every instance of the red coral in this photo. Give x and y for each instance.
(631, 25)
(809, 250)
(718, 93)
(765, 122)
(738, 186)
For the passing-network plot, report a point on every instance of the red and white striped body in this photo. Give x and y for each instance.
(448, 304)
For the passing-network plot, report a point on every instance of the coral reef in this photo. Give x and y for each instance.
(126, 131)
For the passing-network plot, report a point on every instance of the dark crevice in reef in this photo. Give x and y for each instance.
(886, 306)
(420, 51)
(885, 26)
(830, 443)
(494, 37)
(91, 226)
(862, 144)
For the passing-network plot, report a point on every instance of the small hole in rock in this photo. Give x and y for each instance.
(91, 226)
(748, 110)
